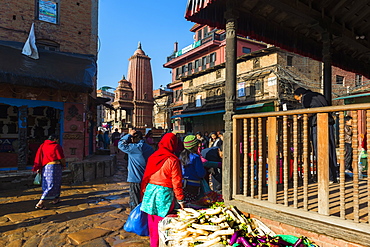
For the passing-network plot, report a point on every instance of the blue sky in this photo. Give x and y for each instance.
(156, 24)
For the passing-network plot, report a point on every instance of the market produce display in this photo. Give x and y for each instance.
(209, 199)
(220, 225)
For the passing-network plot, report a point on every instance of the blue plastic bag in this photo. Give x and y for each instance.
(37, 180)
(204, 187)
(137, 222)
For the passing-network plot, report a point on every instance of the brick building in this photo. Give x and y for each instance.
(201, 57)
(104, 110)
(266, 78)
(266, 81)
(55, 94)
(161, 110)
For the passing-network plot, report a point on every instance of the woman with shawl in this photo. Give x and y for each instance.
(161, 185)
(50, 162)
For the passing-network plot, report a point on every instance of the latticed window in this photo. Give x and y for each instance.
(256, 63)
(339, 79)
(198, 102)
(358, 80)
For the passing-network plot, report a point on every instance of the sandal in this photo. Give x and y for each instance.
(40, 207)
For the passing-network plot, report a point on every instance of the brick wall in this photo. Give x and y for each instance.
(319, 239)
(76, 31)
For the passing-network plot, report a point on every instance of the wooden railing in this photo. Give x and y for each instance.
(272, 152)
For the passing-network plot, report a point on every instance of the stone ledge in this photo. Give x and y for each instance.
(87, 170)
(309, 221)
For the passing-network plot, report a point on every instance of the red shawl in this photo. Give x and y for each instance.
(166, 149)
(48, 151)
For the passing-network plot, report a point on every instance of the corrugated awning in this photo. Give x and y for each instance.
(353, 96)
(198, 114)
(246, 107)
(58, 70)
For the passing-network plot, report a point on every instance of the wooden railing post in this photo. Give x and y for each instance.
(236, 156)
(272, 160)
(323, 162)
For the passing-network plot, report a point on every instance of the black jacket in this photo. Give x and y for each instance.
(313, 99)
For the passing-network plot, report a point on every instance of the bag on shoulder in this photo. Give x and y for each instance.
(137, 222)
(37, 180)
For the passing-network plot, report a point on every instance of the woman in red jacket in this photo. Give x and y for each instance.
(50, 162)
(161, 185)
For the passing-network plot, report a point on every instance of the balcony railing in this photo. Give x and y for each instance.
(210, 37)
(273, 162)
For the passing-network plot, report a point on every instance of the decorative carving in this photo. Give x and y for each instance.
(218, 74)
(73, 127)
(73, 136)
(22, 137)
(73, 112)
(73, 151)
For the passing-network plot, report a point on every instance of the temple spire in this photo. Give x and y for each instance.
(139, 46)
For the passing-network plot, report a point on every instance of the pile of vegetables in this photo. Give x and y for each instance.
(221, 225)
(209, 199)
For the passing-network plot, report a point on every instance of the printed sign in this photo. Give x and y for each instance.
(48, 11)
(271, 81)
(241, 89)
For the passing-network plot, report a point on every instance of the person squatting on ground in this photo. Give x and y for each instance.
(138, 153)
(192, 168)
(311, 99)
(50, 162)
(161, 185)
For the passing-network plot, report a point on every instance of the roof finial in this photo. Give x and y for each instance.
(123, 77)
(139, 45)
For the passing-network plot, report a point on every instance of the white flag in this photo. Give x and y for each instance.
(29, 47)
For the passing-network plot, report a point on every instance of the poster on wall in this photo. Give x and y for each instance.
(48, 11)
(241, 89)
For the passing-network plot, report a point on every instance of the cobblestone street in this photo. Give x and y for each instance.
(91, 214)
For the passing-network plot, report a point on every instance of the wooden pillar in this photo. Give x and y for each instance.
(323, 162)
(22, 137)
(272, 159)
(230, 92)
(327, 66)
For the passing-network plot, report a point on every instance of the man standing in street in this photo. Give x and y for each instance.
(115, 137)
(138, 153)
(310, 99)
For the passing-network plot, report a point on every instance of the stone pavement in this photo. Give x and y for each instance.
(89, 215)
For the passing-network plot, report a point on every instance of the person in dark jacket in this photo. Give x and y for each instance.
(310, 99)
(115, 137)
(348, 158)
(212, 162)
(138, 153)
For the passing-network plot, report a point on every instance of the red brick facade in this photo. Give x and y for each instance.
(73, 37)
(76, 31)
